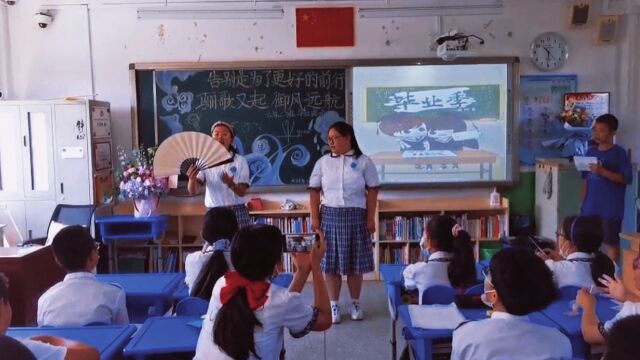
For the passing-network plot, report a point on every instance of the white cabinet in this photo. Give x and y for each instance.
(46, 158)
(558, 187)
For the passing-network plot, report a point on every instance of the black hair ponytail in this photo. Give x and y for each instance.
(587, 233)
(462, 268)
(209, 274)
(601, 265)
(234, 327)
(255, 252)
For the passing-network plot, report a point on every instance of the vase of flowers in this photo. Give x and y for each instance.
(137, 182)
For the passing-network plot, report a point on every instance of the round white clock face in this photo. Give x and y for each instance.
(549, 51)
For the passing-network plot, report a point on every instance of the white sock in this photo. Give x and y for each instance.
(333, 303)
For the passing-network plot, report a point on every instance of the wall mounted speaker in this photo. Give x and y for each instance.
(579, 13)
(607, 29)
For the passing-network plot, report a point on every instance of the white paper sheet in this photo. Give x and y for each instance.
(582, 162)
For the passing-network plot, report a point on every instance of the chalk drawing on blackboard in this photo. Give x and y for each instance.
(193, 119)
(321, 125)
(268, 156)
(172, 122)
(173, 98)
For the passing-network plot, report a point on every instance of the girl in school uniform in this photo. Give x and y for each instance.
(450, 259)
(226, 184)
(348, 182)
(203, 268)
(517, 284)
(247, 315)
(593, 330)
(579, 261)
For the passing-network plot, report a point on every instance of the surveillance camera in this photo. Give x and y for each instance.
(43, 19)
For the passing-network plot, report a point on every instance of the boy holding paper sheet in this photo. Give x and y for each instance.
(606, 181)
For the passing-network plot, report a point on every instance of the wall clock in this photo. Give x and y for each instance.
(549, 51)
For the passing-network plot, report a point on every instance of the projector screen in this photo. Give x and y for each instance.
(436, 124)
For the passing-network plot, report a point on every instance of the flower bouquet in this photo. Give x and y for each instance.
(136, 180)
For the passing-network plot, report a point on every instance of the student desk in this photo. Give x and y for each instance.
(108, 340)
(484, 159)
(31, 271)
(421, 340)
(557, 315)
(147, 294)
(164, 335)
(117, 228)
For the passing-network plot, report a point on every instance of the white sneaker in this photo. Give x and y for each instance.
(335, 314)
(356, 312)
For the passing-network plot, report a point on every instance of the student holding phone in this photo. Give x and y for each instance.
(348, 182)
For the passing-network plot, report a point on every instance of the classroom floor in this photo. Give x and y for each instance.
(367, 339)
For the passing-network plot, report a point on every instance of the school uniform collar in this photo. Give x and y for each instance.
(579, 256)
(506, 316)
(440, 256)
(79, 275)
(349, 153)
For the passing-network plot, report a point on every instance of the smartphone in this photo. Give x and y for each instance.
(300, 242)
(536, 244)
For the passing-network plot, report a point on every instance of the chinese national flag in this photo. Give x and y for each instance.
(318, 27)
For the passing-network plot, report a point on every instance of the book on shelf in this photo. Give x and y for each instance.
(408, 228)
(288, 225)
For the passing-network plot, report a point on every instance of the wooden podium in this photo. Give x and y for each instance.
(31, 271)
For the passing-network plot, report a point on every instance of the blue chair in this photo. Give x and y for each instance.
(283, 280)
(568, 292)
(192, 306)
(438, 294)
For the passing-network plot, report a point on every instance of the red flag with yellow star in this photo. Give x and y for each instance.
(326, 26)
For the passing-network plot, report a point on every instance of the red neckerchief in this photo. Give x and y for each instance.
(256, 290)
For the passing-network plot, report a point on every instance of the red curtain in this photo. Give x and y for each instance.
(320, 27)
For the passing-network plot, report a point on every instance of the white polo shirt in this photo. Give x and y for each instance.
(218, 193)
(343, 179)
(197, 260)
(425, 274)
(81, 299)
(505, 336)
(575, 270)
(628, 309)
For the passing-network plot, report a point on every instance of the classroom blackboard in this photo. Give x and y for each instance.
(280, 116)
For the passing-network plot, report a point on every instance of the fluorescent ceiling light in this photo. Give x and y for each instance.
(436, 10)
(191, 14)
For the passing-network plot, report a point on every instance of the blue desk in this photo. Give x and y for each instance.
(421, 340)
(164, 335)
(108, 340)
(147, 294)
(557, 315)
(117, 228)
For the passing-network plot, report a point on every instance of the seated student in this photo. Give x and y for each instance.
(451, 261)
(622, 342)
(517, 284)
(247, 315)
(579, 261)
(594, 331)
(203, 268)
(80, 299)
(40, 347)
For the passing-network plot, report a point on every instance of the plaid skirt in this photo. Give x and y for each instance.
(349, 246)
(242, 215)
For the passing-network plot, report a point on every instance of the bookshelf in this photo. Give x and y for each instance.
(400, 223)
(185, 220)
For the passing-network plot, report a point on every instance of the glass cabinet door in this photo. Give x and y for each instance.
(10, 153)
(37, 142)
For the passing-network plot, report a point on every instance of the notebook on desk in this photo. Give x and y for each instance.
(409, 154)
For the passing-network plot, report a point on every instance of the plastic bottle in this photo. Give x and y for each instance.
(494, 198)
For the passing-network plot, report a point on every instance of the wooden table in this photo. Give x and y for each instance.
(31, 271)
(630, 246)
(484, 159)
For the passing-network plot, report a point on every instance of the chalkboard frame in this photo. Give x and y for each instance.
(348, 64)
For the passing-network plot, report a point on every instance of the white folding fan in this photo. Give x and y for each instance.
(176, 153)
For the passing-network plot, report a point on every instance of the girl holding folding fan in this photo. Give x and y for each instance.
(225, 185)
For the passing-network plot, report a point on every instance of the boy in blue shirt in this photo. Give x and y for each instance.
(606, 183)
